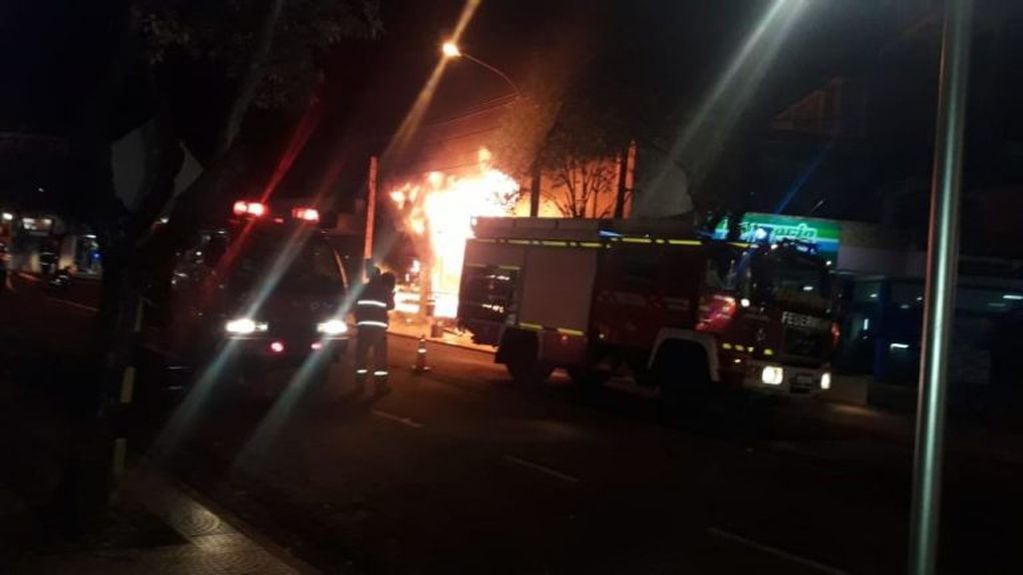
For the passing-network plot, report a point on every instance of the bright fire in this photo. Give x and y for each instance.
(439, 211)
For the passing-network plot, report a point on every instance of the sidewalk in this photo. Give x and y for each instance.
(159, 529)
(410, 325)
(46, 525)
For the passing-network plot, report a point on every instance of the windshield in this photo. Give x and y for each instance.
(790, 276)
(312, 266)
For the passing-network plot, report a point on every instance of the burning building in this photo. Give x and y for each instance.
(455, 176)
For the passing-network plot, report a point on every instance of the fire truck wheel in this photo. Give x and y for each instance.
(588, 378)
(681, 372)
(529, 371)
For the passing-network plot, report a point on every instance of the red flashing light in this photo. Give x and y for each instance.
(317, 345)
(255, 209)
(716, 312)
(306, 214)
(277, 347)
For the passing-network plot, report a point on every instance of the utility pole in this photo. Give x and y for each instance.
(534, 191)
(626, 178)
(939, 298)
(371, 208)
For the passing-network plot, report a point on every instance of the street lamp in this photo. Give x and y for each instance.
(450, 50)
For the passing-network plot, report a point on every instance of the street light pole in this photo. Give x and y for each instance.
(939, 300)
(451, 50)
(371, 210)
(503, 76)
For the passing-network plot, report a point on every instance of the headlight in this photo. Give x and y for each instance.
(772, 375)
(826, 380)
(332, 327)
(244, 326)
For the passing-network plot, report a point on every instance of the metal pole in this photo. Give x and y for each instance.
(939, 300)
(503, 76)
(371, 208)
(626, 175)
(534, 190)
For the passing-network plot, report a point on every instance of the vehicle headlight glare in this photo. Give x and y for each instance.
(772, 375)
(332, 327)
(826, 380)
(244, 326)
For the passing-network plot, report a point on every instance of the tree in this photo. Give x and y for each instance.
(262, 54)
(557, 130)
(580, 157)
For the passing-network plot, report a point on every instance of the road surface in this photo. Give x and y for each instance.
(459, 470)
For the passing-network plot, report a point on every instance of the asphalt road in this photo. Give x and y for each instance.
(461, 471)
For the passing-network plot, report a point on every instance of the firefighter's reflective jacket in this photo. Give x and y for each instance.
(372, 305)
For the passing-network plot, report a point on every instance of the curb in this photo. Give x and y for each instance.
(440, 342)
(243, 527)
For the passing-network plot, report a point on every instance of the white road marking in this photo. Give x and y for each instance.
(776, 552)
(398, 419)
(541, 468)
(75, 304)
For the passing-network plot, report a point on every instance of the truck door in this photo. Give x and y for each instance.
(644, 288)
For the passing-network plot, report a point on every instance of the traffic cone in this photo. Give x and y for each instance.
(420, 366)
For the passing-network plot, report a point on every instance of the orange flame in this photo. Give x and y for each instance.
(440, 211)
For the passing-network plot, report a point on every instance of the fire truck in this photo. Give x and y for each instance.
(651, 300)
(260, 289)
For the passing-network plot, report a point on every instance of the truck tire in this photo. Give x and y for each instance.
(526, 371)
(588, 378)
(682, 374)
(519, 351)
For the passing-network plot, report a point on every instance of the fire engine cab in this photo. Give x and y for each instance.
(262, 289)
(650, 299)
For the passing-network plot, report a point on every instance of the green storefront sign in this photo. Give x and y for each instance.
(825, 235)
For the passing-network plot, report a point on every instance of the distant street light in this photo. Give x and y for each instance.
(452, 51)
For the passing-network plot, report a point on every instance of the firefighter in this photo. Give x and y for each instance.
(371, 320)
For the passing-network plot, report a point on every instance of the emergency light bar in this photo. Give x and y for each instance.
(306, 214)
(247, 208)
(255, 209)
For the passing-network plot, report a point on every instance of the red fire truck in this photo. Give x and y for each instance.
(650, 299)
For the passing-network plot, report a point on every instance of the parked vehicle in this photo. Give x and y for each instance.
(651, 299)
(263, 290)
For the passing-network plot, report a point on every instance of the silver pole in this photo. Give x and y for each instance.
(939, 300)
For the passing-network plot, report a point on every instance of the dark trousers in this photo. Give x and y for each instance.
(371, 339)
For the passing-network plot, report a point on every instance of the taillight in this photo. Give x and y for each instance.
(836, 333)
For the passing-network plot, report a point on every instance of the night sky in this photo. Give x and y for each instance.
(649, 62)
